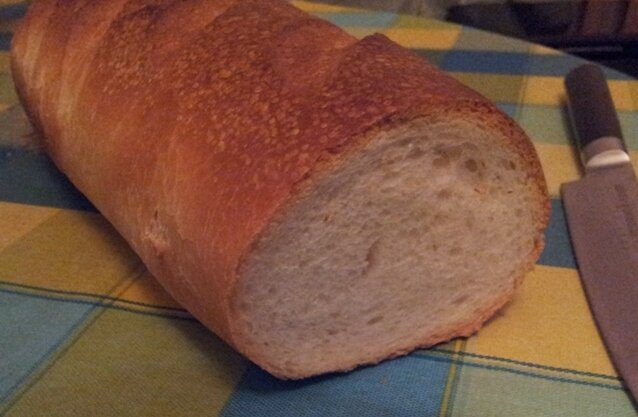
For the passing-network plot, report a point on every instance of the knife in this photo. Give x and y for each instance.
(602, 216)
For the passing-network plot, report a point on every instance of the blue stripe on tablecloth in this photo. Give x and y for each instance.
(558, 248)
(97, 299)
(5, 41)
(434, 56)
(360, 19)
(514, 63)
(10, 12)
(487, 61)
(32, 329)
(105, 302)
(508, 108)
(29, 177)
(13, 11)
(409, 386)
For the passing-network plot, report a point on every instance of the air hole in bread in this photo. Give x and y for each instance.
(441, 162)
(471, 165)
(374, 320)
(416, 153)
(444, 194)
(455, 250)
(459, 300)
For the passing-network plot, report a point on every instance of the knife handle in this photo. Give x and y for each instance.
(594, 117)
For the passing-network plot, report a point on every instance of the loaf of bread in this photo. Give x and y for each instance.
(319, 202)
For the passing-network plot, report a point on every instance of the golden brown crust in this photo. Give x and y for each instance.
(191, 131)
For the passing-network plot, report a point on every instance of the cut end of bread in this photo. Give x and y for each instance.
(418, 239)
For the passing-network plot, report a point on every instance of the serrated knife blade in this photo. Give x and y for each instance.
(602, 216)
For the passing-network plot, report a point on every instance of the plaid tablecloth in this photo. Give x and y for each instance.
(86, 331)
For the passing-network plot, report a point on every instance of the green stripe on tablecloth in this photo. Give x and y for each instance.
(32, 331)
(532, 370)
(452, 379)
(480, 40)
(129, 364)
(8, 94)
(550, 124)
(95, 299)
(526, 367)
(71, 249)
(41, 367)
(485, 390)
(498, 88)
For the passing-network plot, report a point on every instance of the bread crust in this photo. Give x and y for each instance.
(192, 124)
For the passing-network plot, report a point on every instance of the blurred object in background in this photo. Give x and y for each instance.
(605, 31)
(600, 30)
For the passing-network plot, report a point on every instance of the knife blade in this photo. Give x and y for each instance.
(602, 217)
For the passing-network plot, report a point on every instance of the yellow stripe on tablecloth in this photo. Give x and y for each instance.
(16, 220)
(408, 31)
(417, 38)
(76, 254)
(5, 62)
(560, 164)
(539, 49)
(548, 323)
(458, 346)
(443, 39)
(543, 90)
(8, 95)
(311, 7)
(423, 38)
(496, 87)
(70, 251)
(147, 290)
(551, 90)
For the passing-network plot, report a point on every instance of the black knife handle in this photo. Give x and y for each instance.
(591, 106)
